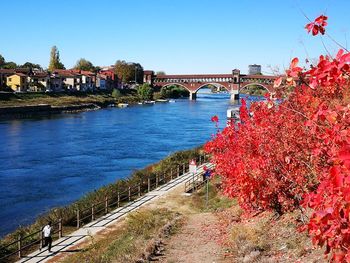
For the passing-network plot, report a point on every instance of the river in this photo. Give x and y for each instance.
(52, 161)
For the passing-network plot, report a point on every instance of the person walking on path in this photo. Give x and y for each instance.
(47, 236)
(207, 173)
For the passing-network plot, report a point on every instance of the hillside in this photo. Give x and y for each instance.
(179, 228)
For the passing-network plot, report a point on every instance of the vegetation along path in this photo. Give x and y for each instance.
(68, 243)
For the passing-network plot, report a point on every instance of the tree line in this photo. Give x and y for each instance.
(127, 72)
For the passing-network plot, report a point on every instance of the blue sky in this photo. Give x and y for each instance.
(182, 36)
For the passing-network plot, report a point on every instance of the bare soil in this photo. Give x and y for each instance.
(195, 242)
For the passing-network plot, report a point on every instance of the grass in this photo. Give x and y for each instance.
(66, 99)
(128, 241)
(216, 200)
(249, 239)
(261, 238)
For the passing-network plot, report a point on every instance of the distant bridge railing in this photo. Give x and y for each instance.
(27, 244)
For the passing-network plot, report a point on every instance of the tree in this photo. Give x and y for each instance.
(83, 64)
(160, 73)
(2, 60)
(10, 65)
(127, 71)
(145, 91)
(55, 62)
(174, 91)
(30, 65)
(97, 69)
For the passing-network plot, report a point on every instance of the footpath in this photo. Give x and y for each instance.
(68, 243)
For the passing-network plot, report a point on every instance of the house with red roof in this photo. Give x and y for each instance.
(38, 81)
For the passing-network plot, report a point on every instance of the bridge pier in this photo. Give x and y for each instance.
(193, 95)
(234, 95)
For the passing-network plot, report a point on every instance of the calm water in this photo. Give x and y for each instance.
(48, 162)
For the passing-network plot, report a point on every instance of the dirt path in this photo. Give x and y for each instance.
(195, 242)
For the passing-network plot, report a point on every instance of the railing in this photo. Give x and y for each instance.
(194, 183)
(96, 210)
(24, 243)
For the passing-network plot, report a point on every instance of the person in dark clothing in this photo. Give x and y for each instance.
(206, 174)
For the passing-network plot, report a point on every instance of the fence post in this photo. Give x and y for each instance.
(78, 218)
(92, 212)
(60, 228)
(178, 170)
(129, 193)
(139, 188)
(19, 241)
(118, 202)
(171, 174)
(106, 204)
(157, 180)
(41, 240)
(149, 184)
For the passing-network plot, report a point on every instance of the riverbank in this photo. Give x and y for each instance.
(38, 104)
(68, 213)
(27, 105)
(43, 110)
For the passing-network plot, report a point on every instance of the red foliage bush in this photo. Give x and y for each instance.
(296, 153)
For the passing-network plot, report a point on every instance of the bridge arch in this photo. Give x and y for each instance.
(218, 85)
(177, 84)
(254, 84)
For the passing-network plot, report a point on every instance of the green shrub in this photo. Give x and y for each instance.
(116, 93)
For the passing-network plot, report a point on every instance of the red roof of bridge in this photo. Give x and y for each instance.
(259, 76)
(212, 76)
(195, 76)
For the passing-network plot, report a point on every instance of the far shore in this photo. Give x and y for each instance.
(27, 105)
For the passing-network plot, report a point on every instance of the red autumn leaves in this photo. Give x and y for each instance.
(317, 26)
(296, 154)
(215, 119)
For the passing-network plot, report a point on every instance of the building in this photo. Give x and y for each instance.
(4, 73)
(110, 78)
(38, 82)
(101, 81)
(70, 80)
(17, 82)
(59, 80)
(88, 80)
(148, 76)
(56, 83)
(254, 69)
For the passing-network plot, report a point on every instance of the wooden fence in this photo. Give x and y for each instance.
(26, 244)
